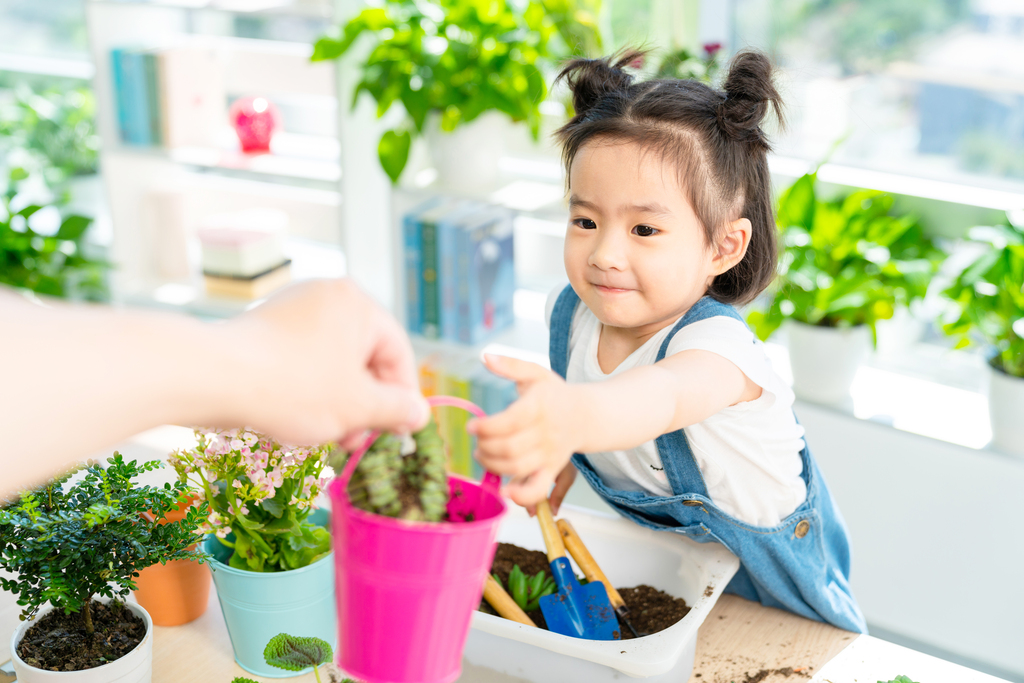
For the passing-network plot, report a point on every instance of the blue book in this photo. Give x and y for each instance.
(413, 259)
(133, 92)
(438, 238)
(482, 225)
(490, 274)
(449, 230)
(119, 93)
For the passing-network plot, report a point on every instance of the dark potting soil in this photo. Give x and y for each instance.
(650, 610)
(58, 641)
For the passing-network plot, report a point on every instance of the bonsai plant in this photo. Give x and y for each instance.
(71, 543)
(987, 298)
(269, 545)
(458, 59)
(847, 263)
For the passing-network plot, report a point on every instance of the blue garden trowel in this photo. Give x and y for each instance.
(575, 610)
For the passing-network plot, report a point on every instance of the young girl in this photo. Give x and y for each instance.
(667, 399)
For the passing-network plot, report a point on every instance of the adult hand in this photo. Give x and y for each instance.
(325, 362)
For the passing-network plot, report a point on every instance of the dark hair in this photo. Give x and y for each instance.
(713, 137)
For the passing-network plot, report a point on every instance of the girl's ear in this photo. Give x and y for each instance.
(732, 245)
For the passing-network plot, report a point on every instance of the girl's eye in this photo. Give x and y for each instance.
(644, 230)
(586, 223)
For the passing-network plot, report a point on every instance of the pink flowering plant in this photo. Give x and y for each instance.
(260, 494)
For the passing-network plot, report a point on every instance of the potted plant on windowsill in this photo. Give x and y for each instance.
(847, 264)
(272, 562)
(457, 67)
(76, 548)
(988, 302)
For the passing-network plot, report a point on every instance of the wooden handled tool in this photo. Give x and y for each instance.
(586, 562)
(498, 598)
(552, 537)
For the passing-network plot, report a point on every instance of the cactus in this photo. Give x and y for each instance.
(412, 486)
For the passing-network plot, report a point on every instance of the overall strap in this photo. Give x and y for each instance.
(681, 468)
(560, 329)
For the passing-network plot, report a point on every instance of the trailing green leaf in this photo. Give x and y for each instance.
(295, 653)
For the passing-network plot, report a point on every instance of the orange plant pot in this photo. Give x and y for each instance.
(177, 592)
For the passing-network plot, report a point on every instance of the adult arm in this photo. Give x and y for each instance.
(315, 363)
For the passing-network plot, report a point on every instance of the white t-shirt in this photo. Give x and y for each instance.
(749, 453)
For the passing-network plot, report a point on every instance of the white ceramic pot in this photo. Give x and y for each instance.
(134, 667)
(825, 360)
(1006, 411)
(467, 159)
(696, 572)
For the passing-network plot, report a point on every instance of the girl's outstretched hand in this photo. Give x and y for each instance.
(533, 439)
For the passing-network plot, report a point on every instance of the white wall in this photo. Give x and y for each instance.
(938, 544)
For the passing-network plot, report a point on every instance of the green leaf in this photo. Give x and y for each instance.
(239, 679)
(898, 679)
(393, 151)
(294, 653)
(73, 227)
(18, 173)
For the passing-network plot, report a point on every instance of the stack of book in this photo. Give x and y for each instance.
(459, 269)
(172, 97)
(244, 253)
(454, 374)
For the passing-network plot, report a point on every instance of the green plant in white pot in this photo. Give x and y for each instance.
(271, 551)
(988, 299)
(847, 264)
(457, 67)
(73, 548)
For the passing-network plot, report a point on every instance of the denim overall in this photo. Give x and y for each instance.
(802, 564)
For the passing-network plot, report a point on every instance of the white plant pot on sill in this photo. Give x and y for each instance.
(630, 555)
(134, 667)
(1006, 411)
(467, 159)
(825, 360)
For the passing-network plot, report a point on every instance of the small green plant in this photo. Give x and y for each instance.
(459, 59)
(684, 64)
(988, 296)
(898, 679)
(69, 542)
(528, 590)
(412, 486)
(53, 263)
(294, 653)
(847, 261)
(262, 492)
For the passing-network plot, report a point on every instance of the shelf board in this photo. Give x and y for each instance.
(304, 157)
(47, 66)
(321, 9)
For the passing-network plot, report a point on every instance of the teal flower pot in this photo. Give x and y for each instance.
(257, 606)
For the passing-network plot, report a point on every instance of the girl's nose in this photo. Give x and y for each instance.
(609, 250)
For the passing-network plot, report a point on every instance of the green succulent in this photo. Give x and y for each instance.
(528, 590)
(383, 473)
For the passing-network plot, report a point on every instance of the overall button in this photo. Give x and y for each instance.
(802, 528)
(692, 503)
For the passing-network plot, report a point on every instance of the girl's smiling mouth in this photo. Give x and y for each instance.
(610, 290)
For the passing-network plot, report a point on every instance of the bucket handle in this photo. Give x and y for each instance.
(491, 481)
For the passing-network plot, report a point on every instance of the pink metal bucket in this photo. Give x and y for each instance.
(407, 590)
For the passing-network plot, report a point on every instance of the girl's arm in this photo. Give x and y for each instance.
(313, 363)
(534, 439)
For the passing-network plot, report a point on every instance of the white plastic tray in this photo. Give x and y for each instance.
(630, 555)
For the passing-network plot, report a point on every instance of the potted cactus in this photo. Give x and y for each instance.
(271, 552)
(76, 547)
(415, 548)
(847, 264)
(987, 301)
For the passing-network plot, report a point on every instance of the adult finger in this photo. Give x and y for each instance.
(391, 356)
(389, 407)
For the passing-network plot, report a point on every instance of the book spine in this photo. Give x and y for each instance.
(463, 257)
(135, 98)
(117, 68)
(413, 274)
(430, 325)
(447, 313)
(154, 126)
(460, 456)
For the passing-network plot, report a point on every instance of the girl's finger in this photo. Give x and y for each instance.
(563, 482)
(529, 490)
(509, 421)
(519, 371)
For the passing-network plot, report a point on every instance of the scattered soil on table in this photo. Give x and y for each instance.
(765, 673)
(650, 610)
(58, 641)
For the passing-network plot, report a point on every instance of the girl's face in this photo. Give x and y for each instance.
(634, 250)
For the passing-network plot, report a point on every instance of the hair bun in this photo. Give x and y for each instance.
(590, 80)
(748, 93)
